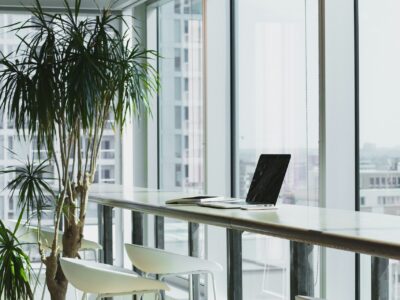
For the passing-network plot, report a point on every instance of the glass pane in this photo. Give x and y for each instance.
(180, 107)
(277, 112)
(379, 121)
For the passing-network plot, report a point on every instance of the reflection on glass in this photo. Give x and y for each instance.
(379, 116)
(277, 112)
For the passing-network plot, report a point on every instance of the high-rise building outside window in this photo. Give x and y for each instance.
(180, 108)
(22, 149)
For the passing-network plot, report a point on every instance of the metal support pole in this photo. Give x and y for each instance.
(379, 278)
(159, 232)
(137, 232)
(301, 270)
(159, 240)
(194, 250)
(137, 236)
(234, 244)
(105, 223)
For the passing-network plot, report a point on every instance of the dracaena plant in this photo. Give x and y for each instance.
(67, 76)
(15, 267)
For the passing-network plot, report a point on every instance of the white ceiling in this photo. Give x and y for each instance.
(85, 4)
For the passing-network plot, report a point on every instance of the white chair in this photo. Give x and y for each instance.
(31, 234)
(306, 298)
(163, 263)
(106, 280)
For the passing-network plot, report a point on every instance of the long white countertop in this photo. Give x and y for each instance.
(363, 232)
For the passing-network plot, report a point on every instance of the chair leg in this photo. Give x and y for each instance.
(38, 277)
(95, 255)
(190, 287)
(44, 289)
(158, 295)
(214, 287)
(84, 296)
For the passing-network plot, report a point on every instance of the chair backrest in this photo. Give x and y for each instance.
(29, 234)
(157, 261)
(97, 278)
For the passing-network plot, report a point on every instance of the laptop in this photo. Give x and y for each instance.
(265, 185)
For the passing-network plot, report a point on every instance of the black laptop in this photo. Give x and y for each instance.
(265, 185)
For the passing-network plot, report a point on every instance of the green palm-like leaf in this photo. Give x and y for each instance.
(15, 267)
(32, 184)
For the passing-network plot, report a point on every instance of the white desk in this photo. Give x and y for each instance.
(374, 234)
(368, 233)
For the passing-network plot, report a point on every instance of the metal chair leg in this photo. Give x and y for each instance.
(214, 287)
(158, 295)
(38, 277)
(190, 287)
(84, 296)
(44, 289)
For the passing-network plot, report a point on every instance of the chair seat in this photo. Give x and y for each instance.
(157, 261)
(97, 278)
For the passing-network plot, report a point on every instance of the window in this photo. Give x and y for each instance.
(173, 115)
(181, 166)
(178, 89)
(379, 62)
(107, 148)
(178, 37)
(178, 146)
(178, 175)
(276, 98)
(177, 60)
(107, 173)
(178, 117)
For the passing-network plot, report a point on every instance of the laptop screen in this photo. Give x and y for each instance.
(268, 178)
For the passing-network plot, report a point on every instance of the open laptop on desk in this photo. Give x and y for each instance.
(265, 185)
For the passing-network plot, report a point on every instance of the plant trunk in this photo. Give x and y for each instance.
(56, 281)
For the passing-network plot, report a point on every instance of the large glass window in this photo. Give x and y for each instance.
(181, 135)
(379, 116)
(277, 107)
(108, 164)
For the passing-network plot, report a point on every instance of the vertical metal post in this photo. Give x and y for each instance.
(137, 236)
(379, 278)
(159, 232)
(234, 244)
(108, 235)
(159, 239)
(301, 270)
(105, 223)
(137, 231)
(194, 250)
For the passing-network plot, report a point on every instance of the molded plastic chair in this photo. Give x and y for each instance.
(163, 263)
(106, 280)
(30, 234)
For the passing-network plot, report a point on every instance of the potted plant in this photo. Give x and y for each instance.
(65, 79)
